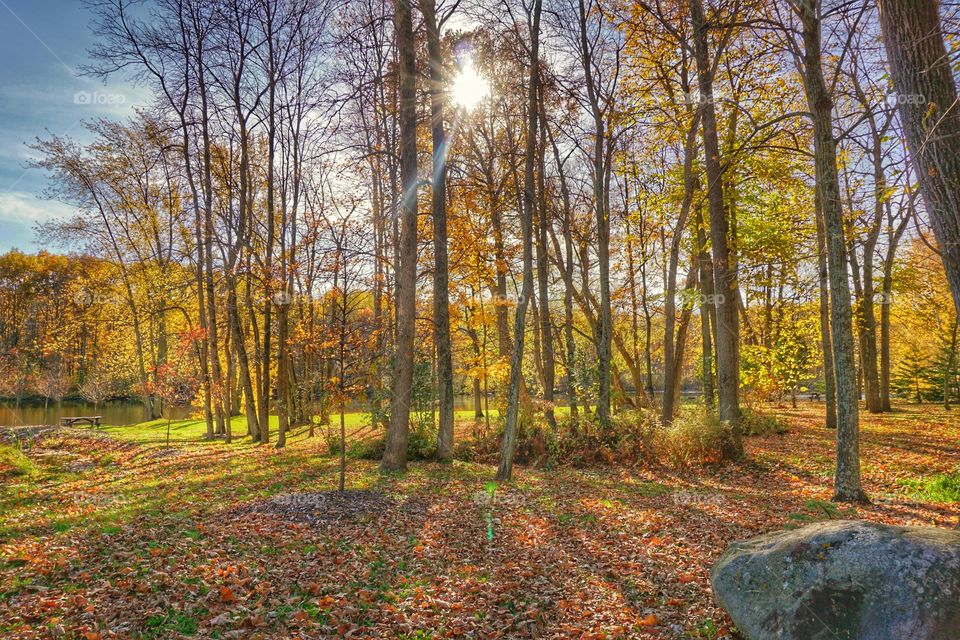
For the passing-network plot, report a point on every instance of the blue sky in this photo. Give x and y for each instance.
(42, 42)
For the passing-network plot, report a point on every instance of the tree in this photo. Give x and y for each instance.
(441, 294)
(927, 97)
(395, 454)
(847, 478)
(725, 286)
(508, 448)
(54, 384)
(176, 390)
(98, 387)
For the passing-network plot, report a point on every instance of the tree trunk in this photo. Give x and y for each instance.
(567, 273)
(829, 383)
(395, 454)
(847, 478)
(950, 367)
(707, 310)
(725, 285)
(508, 448)
(927, 95)
(546, 326)
(893, 241)
(601, 206)
(441, 294)
(671, 346)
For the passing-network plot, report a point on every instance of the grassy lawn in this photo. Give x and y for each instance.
(193, 429)
(110, 535)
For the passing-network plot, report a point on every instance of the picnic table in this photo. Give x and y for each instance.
(69, 421)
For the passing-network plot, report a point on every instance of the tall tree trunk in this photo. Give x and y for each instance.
(441, 294)
(830, 390)
(508, 448)
(922, 76)
(725, 285)
(395, 454)
(847, 485)
(268, 278)
(893, 240)
(543, 294)
(671, 364)
(221, 402)
(951, 365)
(601, 205)
(707, 310)
(567, 272)
(500, 303)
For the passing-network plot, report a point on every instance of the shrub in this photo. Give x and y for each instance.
(421, 443)
(694, 437)
(634, 436)
(755, 423)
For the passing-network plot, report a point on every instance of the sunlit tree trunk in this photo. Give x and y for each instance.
(894, 235)
(543, 295)
(671, 343)
(920, 68)
(566, 271)
(441, 294)
(847, 485)
(601, 205)
(725, 278)
(707, 309)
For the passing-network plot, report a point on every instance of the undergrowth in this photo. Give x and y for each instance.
(943, 487)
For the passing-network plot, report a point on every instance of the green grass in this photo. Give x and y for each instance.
(194, 429)
(13, 461)
(943, 487)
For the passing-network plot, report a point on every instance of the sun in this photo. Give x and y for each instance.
(469, 88)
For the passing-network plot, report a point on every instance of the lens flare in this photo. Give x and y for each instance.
(469, 88)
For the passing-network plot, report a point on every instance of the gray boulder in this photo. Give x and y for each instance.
(843, 580)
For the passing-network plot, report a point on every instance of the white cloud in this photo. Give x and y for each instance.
(25, 208)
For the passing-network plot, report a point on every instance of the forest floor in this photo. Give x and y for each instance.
(105, 537)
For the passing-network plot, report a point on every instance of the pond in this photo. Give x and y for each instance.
(124, 412)
(116, 412)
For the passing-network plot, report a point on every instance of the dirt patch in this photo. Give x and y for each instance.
(326, 507)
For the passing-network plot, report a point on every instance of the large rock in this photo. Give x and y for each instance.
(843, 580)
